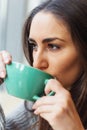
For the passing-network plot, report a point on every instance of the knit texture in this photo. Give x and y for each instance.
(21, 119)
(2, 119)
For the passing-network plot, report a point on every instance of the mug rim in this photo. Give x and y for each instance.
(29, 66)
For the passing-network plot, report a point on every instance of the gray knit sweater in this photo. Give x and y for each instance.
(21, 118)
(2, 119)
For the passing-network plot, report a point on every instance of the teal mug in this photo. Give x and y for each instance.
(25, 82)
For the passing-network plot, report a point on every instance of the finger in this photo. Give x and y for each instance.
(56, 109)
(49, 112)
(2, 67)
(43, 109)
(53, 85)
(7, 58)
(44, 101)
(51, 100)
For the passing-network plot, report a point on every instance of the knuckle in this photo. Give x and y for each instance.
(66, 101)
(62, 111)
(68, 96)
(51, 81)
(6, 54)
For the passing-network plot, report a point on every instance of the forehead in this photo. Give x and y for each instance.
(46, 24)
(43, 19)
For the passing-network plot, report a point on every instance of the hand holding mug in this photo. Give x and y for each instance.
(59, 110)
(5, 58)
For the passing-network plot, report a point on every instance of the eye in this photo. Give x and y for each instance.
(53, 47)
(33, 46)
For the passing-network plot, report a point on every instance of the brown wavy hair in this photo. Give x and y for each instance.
(74, 14)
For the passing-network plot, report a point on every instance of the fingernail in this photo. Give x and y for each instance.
(2, 74)
(35, 112)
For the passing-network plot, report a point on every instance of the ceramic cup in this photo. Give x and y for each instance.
(25, 82)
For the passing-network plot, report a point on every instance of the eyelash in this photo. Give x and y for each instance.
(50, 46)
(33, 46)
(53, 46)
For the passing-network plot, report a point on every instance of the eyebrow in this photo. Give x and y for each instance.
(47, 39)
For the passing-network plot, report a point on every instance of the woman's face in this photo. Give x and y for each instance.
(53, 49)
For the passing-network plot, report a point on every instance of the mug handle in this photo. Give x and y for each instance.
(35, 98)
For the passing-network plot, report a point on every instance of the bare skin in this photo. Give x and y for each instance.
(53, 52)
(59, 57)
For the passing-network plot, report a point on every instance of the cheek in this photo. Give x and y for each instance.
(67, 69)
(68, 64)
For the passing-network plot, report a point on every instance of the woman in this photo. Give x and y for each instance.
(55, 41)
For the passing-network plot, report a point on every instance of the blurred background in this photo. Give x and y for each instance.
(12, 16)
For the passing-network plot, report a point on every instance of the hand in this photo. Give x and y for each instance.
(58, 110)
(5, 58)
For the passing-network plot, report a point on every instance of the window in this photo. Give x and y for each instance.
(12, 16)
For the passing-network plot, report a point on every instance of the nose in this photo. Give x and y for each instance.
(40, 60)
